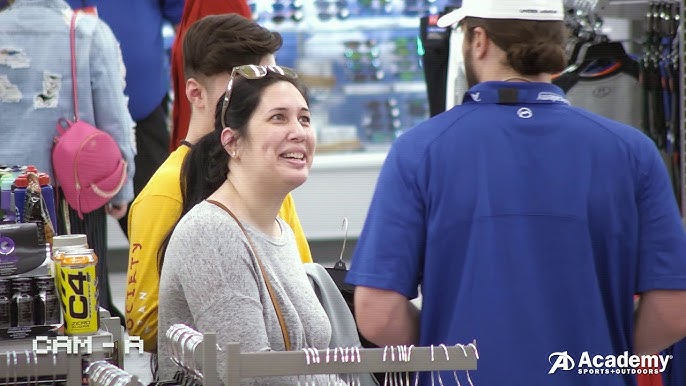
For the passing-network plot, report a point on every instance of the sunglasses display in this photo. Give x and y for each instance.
(297, 11)
(382, 120)
(420, 7)
(361, 60)
(252, 71)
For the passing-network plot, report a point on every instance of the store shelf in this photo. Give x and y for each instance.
(368, 23)
(384, 88)
(624, 9)
(409, 87)
(367, 89)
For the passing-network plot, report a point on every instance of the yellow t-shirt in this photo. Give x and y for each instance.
(151, 216)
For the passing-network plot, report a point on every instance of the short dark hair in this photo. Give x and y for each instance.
(217, 43)
(532, 47)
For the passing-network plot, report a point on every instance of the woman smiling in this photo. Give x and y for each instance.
(232, 265)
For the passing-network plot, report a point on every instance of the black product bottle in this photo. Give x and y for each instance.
(46, 302)
(22, 302)
(5, 303)
(35, 210)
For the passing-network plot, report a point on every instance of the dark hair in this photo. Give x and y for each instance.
(532, 47)
(217, 43)
(206, 165)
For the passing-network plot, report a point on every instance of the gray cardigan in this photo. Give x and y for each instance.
(343, 328)
(212, 283)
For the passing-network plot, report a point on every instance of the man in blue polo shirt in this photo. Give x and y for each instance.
(528, 223)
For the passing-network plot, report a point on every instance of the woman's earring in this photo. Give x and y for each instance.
(233, 154)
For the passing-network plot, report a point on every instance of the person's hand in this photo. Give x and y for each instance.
(116, 209)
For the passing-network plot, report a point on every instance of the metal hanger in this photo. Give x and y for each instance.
(340, 270)
(341, 264)
(103, 373)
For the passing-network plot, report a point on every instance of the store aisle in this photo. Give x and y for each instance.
(134, 363)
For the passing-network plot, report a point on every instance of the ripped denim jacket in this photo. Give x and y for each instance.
(36, 83)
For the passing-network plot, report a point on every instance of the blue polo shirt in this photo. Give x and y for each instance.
(529, 225)
(676, 374)
(137, 24)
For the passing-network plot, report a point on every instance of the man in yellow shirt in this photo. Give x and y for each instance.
(212, 46)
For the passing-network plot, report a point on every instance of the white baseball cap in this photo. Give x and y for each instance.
(542, 10)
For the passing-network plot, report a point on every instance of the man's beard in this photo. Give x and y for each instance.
(469, 69)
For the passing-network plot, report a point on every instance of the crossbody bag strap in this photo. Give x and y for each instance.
(74, 84)
(270, 289)
(62, 202)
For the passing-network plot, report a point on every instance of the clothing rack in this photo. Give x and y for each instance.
(31, 368)
(347, 360)
(662, 110)
(356, 360)
(195, 354)
(102, 373)
(19, 364)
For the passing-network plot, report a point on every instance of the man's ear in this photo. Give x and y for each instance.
(480, 43)
(196, 93)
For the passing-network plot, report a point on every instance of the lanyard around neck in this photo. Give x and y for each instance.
(504, 93)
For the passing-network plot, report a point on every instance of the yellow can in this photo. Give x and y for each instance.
(56, 273)
(60, 244)
(56, 262)
(78, 288)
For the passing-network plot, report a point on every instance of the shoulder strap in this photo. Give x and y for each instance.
(279, 314)
(74, 87)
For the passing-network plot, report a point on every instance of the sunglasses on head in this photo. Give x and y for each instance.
(252, 71)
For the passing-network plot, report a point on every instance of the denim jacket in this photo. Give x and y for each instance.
(36, 83)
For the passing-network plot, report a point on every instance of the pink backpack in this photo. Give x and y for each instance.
(86, 161)
(88, 166)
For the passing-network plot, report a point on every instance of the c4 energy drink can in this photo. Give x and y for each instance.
(61, 244)
(79, 291)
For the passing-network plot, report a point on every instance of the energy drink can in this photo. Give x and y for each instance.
(79, 291)
(57, 274)
(62, 243)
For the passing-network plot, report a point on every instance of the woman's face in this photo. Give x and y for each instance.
(280, 142)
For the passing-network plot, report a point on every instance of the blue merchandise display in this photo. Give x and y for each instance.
(362, 60)
(519, 217)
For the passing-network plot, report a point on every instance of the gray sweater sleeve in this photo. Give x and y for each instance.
(211, 282)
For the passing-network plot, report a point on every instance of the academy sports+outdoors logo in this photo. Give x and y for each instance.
(609, 364)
